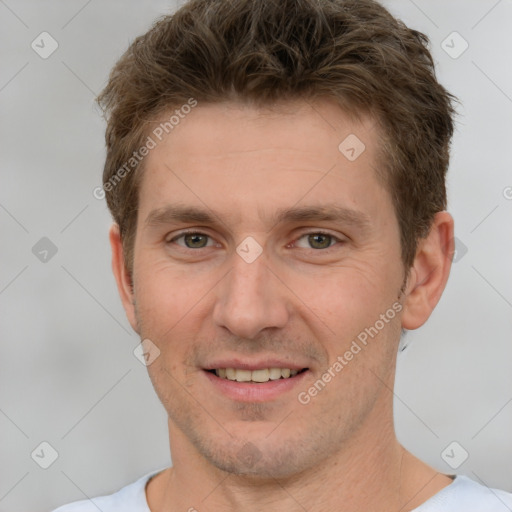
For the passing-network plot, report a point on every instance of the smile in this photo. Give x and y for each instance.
(255, 385)
(255, 376)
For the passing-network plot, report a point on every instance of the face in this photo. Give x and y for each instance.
(260, 245)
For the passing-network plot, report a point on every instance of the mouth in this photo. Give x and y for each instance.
(255, 384)
(259, 376)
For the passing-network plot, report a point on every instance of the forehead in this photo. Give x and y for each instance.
(260, 158)
(222, 129)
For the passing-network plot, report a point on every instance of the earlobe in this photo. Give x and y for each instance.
(123, 279)
(430, 272)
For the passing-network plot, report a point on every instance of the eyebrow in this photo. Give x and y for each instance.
(329, 212)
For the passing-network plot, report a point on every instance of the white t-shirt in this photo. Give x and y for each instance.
(462, 495)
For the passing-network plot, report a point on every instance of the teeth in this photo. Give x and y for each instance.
(243, 375)
(260, 375)
(263, 375)
(275, 373)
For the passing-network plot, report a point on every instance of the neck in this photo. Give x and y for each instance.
(371, 472)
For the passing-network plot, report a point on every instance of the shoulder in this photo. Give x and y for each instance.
(131, 498)
(465, 494)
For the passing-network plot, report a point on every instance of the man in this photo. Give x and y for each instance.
(276, 174)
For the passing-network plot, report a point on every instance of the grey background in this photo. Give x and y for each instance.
(67, 369)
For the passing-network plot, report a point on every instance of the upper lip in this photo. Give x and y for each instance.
(261, 364)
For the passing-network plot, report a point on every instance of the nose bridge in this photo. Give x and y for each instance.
(250, 298)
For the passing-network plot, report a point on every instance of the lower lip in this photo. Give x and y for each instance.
(251, 392)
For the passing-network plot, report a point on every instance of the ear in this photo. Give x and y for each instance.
(429, 272)
(123, 280)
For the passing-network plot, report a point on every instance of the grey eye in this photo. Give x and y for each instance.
(316, 240)
(192, 240)
(319, 240)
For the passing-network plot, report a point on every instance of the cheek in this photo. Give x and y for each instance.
(346, 306)
(347, 294)
(157, 275)
(167, 296)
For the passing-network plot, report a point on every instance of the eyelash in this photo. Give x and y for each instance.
(324, 233)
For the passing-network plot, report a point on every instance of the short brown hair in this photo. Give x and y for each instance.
(265, 51)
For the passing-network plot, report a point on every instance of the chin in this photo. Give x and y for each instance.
(261, 458)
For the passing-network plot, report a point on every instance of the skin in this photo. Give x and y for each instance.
(299, 301)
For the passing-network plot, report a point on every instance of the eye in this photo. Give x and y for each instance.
(192, 240)
(196, 240)
(318, 240)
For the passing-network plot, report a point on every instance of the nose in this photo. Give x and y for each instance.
(250, 299)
